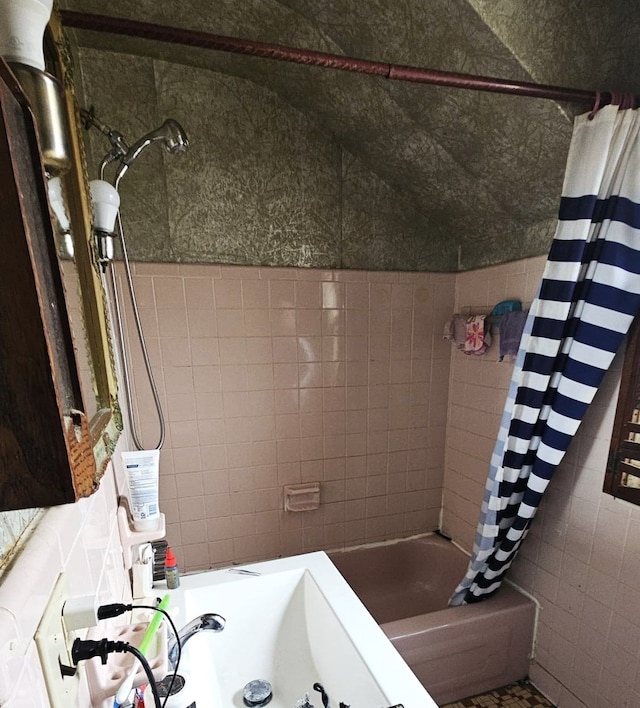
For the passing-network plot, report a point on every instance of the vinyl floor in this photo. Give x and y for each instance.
(517, 695)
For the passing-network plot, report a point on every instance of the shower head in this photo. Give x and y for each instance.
(176, 139)
(170, 133)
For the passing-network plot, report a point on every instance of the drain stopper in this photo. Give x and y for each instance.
(163, 686)
(257, 693)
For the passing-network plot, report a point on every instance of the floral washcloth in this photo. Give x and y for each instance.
(478, 337)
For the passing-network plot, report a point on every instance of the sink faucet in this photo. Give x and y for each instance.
(211, 622)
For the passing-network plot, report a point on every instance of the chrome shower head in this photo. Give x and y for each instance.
(172, 135)
(175, 139)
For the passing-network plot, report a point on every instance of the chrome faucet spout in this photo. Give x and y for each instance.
(208, 622)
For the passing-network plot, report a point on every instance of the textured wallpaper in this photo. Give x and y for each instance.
(261, 184)
(585, 45)
(458, 179)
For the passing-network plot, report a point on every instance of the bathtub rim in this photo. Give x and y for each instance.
(443, 538)
(394, 541)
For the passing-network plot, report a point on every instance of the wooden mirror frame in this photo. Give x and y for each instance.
(50, 452)
(106, 425)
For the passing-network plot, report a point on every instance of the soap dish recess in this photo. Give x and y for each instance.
(302, 497)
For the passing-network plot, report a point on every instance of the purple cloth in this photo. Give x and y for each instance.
(456, 330)
(511, 326)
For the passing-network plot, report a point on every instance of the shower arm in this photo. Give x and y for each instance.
(119, 145)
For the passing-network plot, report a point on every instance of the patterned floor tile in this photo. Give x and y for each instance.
(517, 695)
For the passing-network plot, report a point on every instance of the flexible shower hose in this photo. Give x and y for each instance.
(126, 374)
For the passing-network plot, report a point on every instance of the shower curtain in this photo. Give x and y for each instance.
(586, 301)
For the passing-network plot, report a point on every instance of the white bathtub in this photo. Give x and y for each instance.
(294, 622)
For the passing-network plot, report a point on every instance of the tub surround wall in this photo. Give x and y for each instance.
(580, 558)
(271, 377)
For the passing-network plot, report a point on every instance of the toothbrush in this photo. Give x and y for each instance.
(126, 686)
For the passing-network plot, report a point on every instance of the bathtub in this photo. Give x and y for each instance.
(454, 651)
(293, 622)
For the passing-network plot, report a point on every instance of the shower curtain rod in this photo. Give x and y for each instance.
(397, 72)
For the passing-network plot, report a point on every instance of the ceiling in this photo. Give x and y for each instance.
(485, 170)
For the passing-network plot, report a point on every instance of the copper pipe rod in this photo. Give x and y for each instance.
(206, 40)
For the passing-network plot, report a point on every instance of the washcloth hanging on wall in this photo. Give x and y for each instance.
(478, 336)
(469, 335)
(511, 328)
(456, 330)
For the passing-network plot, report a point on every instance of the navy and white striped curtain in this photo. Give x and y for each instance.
(586, 301)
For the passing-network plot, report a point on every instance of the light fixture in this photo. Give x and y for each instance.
(54, 187)
(57, 204)
(22, 26)
(106, 202)
(21, 30)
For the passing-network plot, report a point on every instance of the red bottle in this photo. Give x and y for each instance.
(171, 573)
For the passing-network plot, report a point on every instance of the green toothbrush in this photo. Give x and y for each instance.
(126, 686)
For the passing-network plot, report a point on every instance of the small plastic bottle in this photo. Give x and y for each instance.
(171, 573)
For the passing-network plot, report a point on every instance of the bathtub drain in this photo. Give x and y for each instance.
(257, 693)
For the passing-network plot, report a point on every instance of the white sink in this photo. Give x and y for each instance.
(295, 624)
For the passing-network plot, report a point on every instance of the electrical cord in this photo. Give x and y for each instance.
(117, 609)
(147, 669)
(88, 649)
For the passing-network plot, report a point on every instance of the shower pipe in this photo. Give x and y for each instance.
(396, 72)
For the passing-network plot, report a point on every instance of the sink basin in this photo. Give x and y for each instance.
(293, 622)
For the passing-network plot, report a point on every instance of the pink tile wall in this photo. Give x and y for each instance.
(277, 376)
(274, 376)
(80, 540)
(477, 391)
(580, 558)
